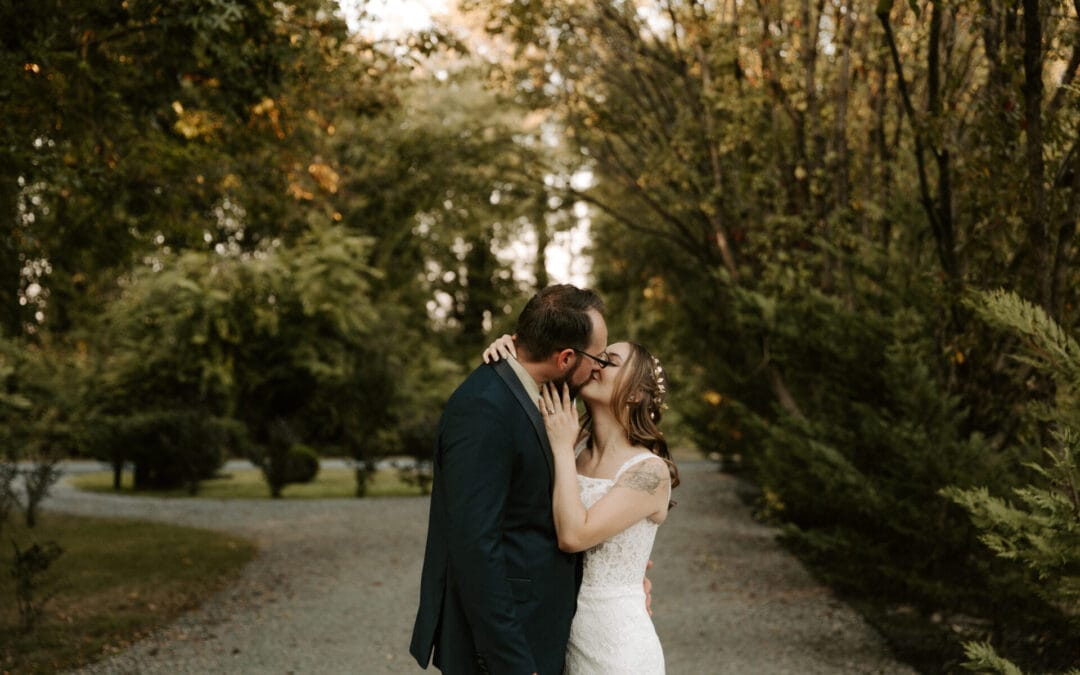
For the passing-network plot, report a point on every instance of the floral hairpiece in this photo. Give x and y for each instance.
(661, 388)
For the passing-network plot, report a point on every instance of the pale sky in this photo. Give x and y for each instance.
(566, 262)
(393, 17)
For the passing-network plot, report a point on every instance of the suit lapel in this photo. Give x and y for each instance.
(531, 410)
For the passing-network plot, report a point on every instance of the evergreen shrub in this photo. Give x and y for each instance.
(302, 464)
(1035, 527)
(168, 448)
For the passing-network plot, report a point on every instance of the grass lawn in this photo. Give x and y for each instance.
(249, 484)
(116, 581)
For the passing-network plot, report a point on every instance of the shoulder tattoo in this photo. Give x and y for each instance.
(644, 479)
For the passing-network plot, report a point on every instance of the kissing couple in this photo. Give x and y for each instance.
(542, 525)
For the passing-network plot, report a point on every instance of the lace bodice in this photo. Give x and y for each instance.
(621, 560)
(612, 633)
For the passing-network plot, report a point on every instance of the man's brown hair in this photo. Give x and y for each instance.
(556, 318)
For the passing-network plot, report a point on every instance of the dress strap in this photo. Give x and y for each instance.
(640, 457)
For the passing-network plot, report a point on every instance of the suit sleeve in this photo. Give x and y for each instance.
(477, 459)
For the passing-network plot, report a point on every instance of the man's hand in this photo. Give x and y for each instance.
(648, 589)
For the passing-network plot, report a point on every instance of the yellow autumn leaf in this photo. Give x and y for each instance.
(299, 193)
(325, 176)
(262, 107)
(194, 123)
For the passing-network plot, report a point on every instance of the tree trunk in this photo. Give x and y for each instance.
(543, 238)
(1033, 153)
(480, 265)
(719, 231)
(843, 83)
(1070, 175)
(938, 209)
(11, 313)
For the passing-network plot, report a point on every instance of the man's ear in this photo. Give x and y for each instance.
(564, 360)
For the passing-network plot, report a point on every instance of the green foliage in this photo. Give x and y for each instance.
(791, 199)
(38, 422)
(241, 211)
(140, 128)
(1049, 346)
(857, 477)
(168, 448)
(419, 474)
(281, 337)
(28, 566)
(39, 388)
(284, 225)
(9, 473)
(37, 482)
(303, 464)
(1041, 530)
(983, 659)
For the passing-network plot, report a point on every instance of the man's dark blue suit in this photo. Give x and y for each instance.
(497, 595)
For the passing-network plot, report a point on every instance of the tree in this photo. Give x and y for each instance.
(262, 338)
(140, 128)
(792, 197)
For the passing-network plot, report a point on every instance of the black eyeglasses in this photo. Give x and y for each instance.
(604, 363)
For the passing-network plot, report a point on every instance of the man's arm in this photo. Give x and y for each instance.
(476, 468)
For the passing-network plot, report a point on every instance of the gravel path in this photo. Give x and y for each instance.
(334, 590)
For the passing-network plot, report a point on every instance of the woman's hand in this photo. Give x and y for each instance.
(502, 348)
(560, 417)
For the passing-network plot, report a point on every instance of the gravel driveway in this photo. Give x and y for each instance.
(334, 590)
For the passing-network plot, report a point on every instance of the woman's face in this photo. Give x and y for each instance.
(603, 383)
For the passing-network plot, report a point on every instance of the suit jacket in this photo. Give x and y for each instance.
(497, 595)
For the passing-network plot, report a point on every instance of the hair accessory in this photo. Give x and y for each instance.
(661, 387)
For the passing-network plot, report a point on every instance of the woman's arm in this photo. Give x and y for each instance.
(639, 493)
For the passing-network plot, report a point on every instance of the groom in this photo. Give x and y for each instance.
(497, 595)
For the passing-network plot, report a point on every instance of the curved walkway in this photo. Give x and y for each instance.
(334, 590)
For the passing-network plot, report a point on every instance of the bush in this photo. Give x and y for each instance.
(283, 459)
(302, 464)
(28, 568)
(169, 449)
(9, 471)
(417, 435)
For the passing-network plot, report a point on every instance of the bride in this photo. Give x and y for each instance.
(613, 481)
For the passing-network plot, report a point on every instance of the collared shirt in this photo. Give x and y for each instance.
(531, 387)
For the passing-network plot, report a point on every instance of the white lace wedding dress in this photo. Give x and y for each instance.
(612, 633)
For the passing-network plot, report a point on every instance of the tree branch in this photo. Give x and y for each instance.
(942, 232)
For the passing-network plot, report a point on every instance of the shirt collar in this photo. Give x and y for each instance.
(527, 381)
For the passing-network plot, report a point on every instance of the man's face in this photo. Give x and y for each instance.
(584, 368)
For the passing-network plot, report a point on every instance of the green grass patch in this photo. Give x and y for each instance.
(249, 484)
(116, 581)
